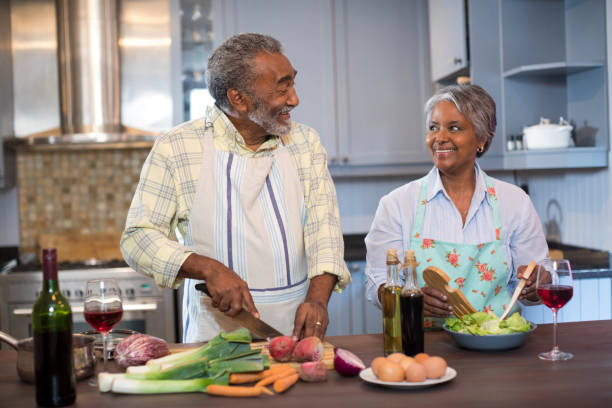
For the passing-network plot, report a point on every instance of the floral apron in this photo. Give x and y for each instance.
(248, 213)
(480, 271)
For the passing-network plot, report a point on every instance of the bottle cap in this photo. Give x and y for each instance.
(409, 257)
(49, 263)
(49, 254)
(392, 258)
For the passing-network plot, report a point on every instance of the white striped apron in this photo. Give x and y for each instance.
(248, 213)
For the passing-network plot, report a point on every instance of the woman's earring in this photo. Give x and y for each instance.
(480, 149)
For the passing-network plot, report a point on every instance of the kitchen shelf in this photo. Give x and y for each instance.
(570, 158)
(552, 68)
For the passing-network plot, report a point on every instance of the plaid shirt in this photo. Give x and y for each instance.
(164, 197)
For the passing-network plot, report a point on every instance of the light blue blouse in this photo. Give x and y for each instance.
(521, 230)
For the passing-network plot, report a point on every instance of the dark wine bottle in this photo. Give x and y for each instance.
(52, 327)
(411, 301)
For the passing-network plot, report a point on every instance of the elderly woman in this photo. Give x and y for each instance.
(479, 230)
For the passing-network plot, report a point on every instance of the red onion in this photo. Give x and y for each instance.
(347, 363)
(137, 349)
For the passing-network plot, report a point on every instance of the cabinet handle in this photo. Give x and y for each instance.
(345, 160)
(457, 60)
(333, 160)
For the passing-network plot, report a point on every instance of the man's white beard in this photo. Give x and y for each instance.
(261, 115)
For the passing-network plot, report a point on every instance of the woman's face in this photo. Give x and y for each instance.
(451, 139)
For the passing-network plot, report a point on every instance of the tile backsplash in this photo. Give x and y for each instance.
(84, 191)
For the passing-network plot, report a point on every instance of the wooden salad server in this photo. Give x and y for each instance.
(519, 288)
(437, 279)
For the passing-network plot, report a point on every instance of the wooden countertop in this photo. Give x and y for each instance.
(514, 378)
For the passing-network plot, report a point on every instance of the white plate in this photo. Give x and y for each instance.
(368, 376)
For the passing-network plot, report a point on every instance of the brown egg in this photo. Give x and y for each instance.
(415, 373)
(375, 365)
(390, 371)
(406, 361)
(396, 357)
(421, 357)
(435, 367)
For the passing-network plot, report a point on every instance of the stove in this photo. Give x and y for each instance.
(147, 308)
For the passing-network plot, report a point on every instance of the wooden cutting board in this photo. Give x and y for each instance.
(328, 352)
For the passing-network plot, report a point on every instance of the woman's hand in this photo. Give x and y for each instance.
(434, 303)
(529, 292)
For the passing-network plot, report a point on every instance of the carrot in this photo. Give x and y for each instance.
(233, 391)
(282, 384)
(244, 378)
(271, 378)
(275, 369)
(264, 390)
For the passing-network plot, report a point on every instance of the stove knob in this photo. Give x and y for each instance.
(66, 292)
(78, 293)
(129, 292)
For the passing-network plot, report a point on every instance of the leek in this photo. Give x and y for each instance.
(241, 335)
(120, 383)
(185, 371)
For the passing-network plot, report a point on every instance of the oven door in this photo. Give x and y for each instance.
(143, 315)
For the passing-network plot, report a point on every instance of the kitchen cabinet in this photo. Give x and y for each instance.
(447, 30)
(543, 58)
(363, 74)
(591, 300)
(305, 30)
(349, 311)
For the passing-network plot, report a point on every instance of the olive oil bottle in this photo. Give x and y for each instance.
(411, 300)
(390, 299)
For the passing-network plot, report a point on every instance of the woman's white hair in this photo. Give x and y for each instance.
(474, 103)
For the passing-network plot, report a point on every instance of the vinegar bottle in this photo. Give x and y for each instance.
(390, 299)
(411, 300)
(52, 327)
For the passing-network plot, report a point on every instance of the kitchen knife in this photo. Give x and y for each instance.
(258, 327)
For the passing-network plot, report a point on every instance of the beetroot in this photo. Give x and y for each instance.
(281, 348)
(308, 349)
(313, 371)
(137, 349)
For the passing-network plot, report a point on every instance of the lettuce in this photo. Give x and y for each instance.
(481, 323)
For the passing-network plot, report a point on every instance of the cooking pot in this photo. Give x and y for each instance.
(546, 135)
(82, 349)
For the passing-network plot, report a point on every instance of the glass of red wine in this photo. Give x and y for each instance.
(102, 309)
(555, 289)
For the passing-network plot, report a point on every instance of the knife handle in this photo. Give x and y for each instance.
(202, 288)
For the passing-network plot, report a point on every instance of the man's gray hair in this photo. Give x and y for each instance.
(230, 66)
(474, 103)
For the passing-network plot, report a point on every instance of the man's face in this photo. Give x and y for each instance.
(272, 93)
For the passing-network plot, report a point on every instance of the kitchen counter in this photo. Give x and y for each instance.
(494, 379)
(586, 263)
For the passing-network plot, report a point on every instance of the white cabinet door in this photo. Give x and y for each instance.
(447, 34)
(382, 80)
(305, 30)
(349, 311)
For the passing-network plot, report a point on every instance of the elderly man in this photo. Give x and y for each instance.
(249, 196)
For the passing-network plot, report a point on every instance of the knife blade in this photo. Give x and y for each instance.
(256, 326)
(518, 289)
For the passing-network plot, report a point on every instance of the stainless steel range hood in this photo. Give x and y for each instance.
(89, 81)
